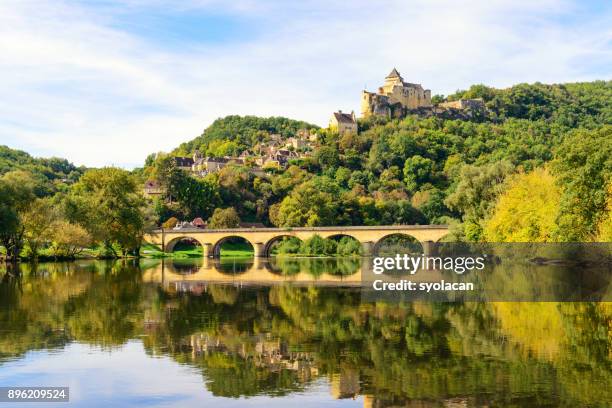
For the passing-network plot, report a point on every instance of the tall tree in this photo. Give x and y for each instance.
(109, 205)
(526, 211)
(16, 196)
(584, 169)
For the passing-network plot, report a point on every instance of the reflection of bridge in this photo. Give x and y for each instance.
(262, 239)
(347, 273)
(258, 272)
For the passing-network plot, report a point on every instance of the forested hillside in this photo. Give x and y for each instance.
(569, 105)
(537, 168)
(51, 174)
(430, 170)
(233, 134)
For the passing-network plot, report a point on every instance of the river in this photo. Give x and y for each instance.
(296, 333)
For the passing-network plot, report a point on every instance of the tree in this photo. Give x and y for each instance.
(476, 192)
(418, 170)
(16, 196)
(38, 222)
(307, 205)
(348, 246)
(526, 211)
(604, 229)
(108, 204)
(69, 239)
(316, 245)
(224, 218)
(197, 197)
(583, 167)
(170, 223)
(327, 156)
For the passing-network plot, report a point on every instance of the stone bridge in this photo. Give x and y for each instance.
(262, 239)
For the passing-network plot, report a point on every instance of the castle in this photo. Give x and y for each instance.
(394, 98)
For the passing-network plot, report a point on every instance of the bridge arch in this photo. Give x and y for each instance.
(338, 238)
(267, 247)
(169, 246)
(216, 247)
(414, 245)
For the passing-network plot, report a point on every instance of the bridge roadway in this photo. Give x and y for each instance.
(262, 239)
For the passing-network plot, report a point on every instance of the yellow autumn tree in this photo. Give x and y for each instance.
(526, 211)
(605, 226)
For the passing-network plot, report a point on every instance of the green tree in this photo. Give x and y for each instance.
(68, 239)
(224, 218)
(583, 167)
(475, 194)
(327, 157)
(38, 222)
(107, 202)
(417, 171)
(16, 196)
(307, 205)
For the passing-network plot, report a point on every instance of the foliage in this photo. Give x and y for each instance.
(418, 170)
(17, 190)
(108, 204)
(170, 223)
(526, 211)
(50, 175)
(288, 245)
(477, 189)
(224, 218)
(241, 131)
(185, 196)
(584, 169)
(348, 246)
(570, 105)
(69, 239)
(39, 222)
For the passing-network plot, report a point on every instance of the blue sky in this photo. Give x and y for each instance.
(108, 82)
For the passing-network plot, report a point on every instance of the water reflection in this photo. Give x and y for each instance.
(285, 340)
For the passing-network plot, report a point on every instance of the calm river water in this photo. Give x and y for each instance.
(292, 333)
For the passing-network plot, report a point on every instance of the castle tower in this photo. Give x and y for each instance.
(392, 80)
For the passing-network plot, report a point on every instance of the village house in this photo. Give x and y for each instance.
(343, 123)
(152, 188)
(296, 143)
(183, 163)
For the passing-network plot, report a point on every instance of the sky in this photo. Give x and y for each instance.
(106, 82)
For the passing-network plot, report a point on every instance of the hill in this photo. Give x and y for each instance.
(577, 104)
(415, 170)
(233, 134)
(52, 174)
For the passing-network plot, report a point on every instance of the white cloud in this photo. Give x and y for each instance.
(79, 86)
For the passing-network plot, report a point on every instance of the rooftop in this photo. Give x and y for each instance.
(344, 117)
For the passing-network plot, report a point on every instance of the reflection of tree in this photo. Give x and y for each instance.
(108, 313)
(273, 341)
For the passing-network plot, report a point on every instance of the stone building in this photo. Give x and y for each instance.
(153, 188)
(394, 98)
(473, 104)
(183, 163)
(343, 123)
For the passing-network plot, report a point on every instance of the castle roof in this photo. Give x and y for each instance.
(344, 117)
(394, 74)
